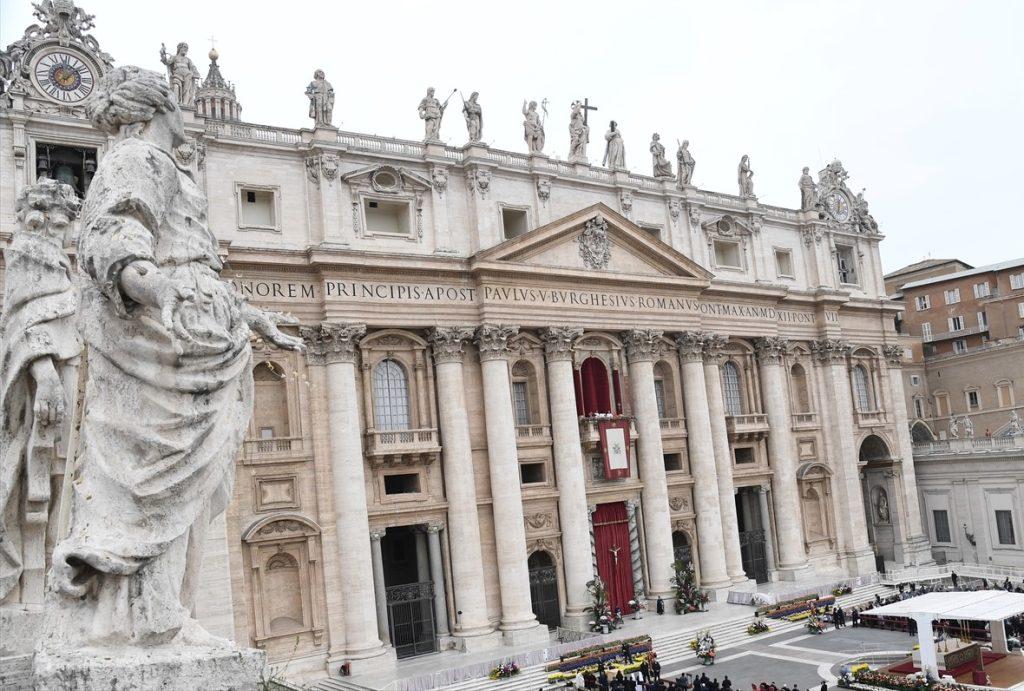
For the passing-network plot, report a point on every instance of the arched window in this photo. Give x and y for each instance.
(524, 394)
(861, 388)
(270, 407)
(664, 390)
(801, 397)
(390, 396)
(731, 389)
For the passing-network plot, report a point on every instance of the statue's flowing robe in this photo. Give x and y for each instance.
(38, 322)
(160, 431)
(615, 153)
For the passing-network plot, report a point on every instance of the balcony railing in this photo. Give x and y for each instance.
(870, 418)
(533, 435)
(271, 448)
(969, 446)
(946, 335)
(746, 427)
(402, 446)
(805, 420)
(590, 435)
(672, 427)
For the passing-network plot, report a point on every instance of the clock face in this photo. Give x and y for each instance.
(64, 77)
(838, 206)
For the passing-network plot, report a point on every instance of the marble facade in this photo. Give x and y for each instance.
(429, 446)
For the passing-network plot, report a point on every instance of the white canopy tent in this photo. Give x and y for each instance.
(992, 606)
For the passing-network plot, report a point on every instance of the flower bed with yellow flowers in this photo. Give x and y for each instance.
(611, 668)
(592, 655)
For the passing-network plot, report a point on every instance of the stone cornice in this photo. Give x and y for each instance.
(446, 342)
(642, 344)
(492, 341)
(771, 350)
(830, 350)
(330, 343)
(558, 341)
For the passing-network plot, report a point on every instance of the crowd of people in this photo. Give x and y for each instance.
(648, 678)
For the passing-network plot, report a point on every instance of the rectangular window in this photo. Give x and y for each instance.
(266, 432)
(956, 323)
(386, 217)
(784, 263)
(918, 408)
(959, 346)
(1020, 310)
(521, 403)
(744, 454)
(659, 395)
(982, 320)
(941, 518)
(981, 290)
(953, 296)
(1004, 393)
(846, 263)
(915, 380)
(531, 473)
(973, 402)
(923, 302)
(257, 209)
(728, 254)
(673, 461)
(1016, 281)
(926, 331)
(404, 483)
(941, 405)
(515, 222)
(1004, 526)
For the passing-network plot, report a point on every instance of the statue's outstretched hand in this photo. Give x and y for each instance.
(266, 323)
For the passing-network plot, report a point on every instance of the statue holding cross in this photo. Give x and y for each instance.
(579, 131)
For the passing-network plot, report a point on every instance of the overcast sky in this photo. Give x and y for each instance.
(922, 101)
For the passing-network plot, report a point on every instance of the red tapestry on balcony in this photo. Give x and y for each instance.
(615, 448)
(614, 562)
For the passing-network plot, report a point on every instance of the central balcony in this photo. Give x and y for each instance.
(590, 435)
(746, 427)
(272, 449)
(870, 418)
(402, 447)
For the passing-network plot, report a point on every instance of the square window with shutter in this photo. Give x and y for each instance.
(257, 208)
(941, 520)
(923, 302)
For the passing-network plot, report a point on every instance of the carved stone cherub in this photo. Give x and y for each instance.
(38, 353)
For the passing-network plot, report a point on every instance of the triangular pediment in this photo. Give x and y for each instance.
(598, 240)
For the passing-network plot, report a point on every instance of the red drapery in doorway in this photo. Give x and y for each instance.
(594, 381)
(611, 537)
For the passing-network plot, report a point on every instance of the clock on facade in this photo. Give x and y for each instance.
(63, 76)
(838, 206)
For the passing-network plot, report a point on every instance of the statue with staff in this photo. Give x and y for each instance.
(431, 111)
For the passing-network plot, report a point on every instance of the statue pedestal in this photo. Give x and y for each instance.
(149, 668)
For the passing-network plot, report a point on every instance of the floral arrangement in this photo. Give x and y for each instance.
(607, 653)
(795, 610)
(599, 606)
(706, 647)
(814, 624)
(758, 626)
(610, 668)
(505, 670)
(689, 598)
(901, 682)
(842, 590)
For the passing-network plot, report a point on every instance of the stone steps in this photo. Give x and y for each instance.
(16, 673)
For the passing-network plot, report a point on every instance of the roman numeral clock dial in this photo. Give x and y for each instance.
(64, 77)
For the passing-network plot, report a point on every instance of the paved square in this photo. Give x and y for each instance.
(750, 667)
(853, 641)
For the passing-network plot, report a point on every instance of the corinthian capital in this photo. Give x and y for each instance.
(446, 342)
(690, 345)
(642, 344)
(771, 350)
(492, 340)
(893, 355)
(829, 350)
(330, 343)
(714, 347)
(558, 341)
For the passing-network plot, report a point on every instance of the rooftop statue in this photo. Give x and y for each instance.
(686, 164)
(579, 133)
(167, 400)
(533, 128)
(614, 150)
(321, 99)
(662, 168)
(182, 74)
(431, 111)
(745, 177)
(474, 115)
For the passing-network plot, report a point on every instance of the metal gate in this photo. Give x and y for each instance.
(411, 619)
(752, 553)
(544, 595)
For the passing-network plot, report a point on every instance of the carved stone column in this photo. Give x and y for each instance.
(335, 346)
(572, 497)
(838, 428)
(711, 550)
(379, 587)
(437, 576)
(518, 622)
(766, 521)
(782, 457)
(918, 548)
(472, 627)
(713, 346)
(634, 548)
(643, 347)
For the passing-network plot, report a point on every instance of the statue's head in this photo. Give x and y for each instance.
(130, 95)
(686, 143)
(613, 124)
(430, 91)
(48, 206)
(656, 136)
(182, 48)
(473, 96)
(806, 170)
(533, 105)
(745, 159)
(319, 74)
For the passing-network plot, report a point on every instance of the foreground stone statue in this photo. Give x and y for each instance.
(167, 401)
(38, 359)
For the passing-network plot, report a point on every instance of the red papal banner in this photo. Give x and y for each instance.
(615, 448)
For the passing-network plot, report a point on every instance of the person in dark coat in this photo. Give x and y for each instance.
(955, 579)
(660, 606)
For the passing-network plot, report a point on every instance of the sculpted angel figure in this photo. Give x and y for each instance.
(533, 128)
(39, 353)
(169, 392)
(321, 99)
(662, 168)
(182, 73)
